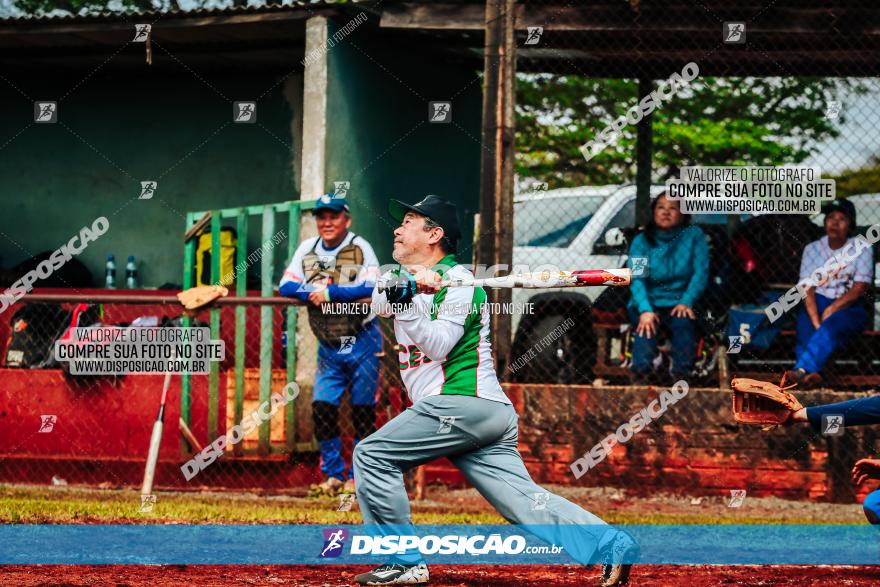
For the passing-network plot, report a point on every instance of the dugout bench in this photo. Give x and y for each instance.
(855, 365)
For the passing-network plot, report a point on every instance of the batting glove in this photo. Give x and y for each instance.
(398, 289)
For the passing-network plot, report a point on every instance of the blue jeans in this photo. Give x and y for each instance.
(684, 343)
(815, 346)
(871, 506)
(356, 369)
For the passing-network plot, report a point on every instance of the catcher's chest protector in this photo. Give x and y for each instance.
(342, 270)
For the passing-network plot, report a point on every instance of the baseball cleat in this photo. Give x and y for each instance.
(395, 574)
(617, 560)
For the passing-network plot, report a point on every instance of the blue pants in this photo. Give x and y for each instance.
(872, 507)
(684, 343)
(815, 346)
(479, 436)
(355, 368)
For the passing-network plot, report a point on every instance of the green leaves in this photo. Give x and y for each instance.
(711, 121)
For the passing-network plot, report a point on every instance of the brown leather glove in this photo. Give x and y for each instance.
(762, 403)
(196, 297)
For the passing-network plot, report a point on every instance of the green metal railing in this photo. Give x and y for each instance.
(267, 213)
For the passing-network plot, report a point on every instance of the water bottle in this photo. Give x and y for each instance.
(131, 274)
(110, 273)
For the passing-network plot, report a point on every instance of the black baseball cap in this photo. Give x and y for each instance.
(437, 209)
(841, 205)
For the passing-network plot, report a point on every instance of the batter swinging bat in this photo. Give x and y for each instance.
(155, 440)
(548, 279)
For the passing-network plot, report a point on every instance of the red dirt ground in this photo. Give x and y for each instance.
(442, 576)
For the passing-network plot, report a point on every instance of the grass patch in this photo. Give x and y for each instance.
(51, 505)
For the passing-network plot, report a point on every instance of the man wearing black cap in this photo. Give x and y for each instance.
(459, 409)
(321, 272)
(837, 270)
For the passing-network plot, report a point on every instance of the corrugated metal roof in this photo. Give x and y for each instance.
(10, 14)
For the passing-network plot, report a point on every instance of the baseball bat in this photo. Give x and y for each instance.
(548, 279)
(156, 440)
(190, 437)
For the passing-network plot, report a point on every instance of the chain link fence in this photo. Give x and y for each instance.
(62, 428)
(613, 94)
(581, 69)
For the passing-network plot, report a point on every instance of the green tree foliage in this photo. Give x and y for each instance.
(713, 121)
(38, 7)
(865, 180)
(84, 7)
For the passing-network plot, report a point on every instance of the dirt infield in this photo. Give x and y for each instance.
(442, 576)
(81, 506)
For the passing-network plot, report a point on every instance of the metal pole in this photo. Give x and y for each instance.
(495, 245)
(644, 151)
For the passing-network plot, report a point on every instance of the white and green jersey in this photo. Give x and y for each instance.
(443, 343)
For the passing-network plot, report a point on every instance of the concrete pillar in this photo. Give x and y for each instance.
(312, 170)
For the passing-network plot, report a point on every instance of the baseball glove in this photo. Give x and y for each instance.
(196, 297)
(763, 403)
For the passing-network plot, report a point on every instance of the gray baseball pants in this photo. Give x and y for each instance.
(479, 436)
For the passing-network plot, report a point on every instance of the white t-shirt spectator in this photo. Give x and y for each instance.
(842, 280)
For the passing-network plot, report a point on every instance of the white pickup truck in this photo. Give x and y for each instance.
(567, 228)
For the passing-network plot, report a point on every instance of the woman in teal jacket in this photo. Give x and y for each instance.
(675, 258)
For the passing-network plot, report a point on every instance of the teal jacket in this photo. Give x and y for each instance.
(677, 270)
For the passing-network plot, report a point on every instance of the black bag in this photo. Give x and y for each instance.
(35, 328)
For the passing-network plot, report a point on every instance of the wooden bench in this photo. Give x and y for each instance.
(865, 351)
(603, 366)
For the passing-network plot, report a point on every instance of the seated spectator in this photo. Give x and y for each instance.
(665, 294)
(832, 312)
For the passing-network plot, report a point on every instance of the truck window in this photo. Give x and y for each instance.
(625, 217)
